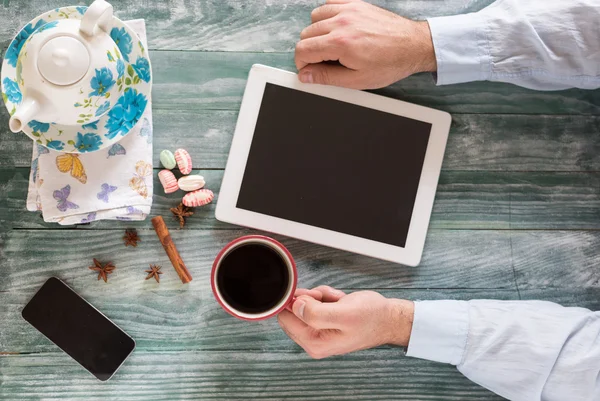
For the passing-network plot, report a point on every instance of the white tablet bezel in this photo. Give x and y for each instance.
(227, 211)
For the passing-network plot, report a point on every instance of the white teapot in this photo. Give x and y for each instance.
(66, 61)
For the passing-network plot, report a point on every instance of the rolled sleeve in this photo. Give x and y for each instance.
(439, 331)
(461, 48)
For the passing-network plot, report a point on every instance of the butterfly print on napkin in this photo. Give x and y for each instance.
(61, 196)
(116, 149)
(138, 182)
(105, 192)
(69, 162)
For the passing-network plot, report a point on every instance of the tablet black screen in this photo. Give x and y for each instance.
(334, 165)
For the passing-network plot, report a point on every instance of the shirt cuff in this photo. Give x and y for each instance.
(439, 331)
(461, 48)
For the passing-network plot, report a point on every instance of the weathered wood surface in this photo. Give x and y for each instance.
(475, 259)
(465, 200)
(517, 216)
(452, 259)
(558, 259)
(477, 142)
(249, 375)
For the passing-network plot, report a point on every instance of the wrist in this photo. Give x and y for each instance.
(424, 53)
(400, 320)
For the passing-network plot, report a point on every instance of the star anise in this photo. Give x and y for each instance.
(181, 212)
(103, 271)
(154, 272)
(131, 237)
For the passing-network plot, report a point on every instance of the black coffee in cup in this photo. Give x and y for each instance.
(253, 278)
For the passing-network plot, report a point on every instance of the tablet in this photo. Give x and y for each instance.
(334, 166)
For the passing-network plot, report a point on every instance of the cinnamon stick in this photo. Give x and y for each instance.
(165, 239)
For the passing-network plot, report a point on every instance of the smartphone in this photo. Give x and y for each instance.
(78, 328)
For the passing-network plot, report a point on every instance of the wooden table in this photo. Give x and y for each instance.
(517, 216)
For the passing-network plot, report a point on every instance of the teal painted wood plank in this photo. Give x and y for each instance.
(517, 200)
(452, 259)
(476, 142)
(167, 318)
(557, 260)
(231, 25)
(192, 375)
(464, 200)
(585, 297)
(539, 200)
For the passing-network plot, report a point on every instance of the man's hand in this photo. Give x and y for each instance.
(374, 47)
(327, 322)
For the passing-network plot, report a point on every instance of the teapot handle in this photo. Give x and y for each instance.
(99, 13)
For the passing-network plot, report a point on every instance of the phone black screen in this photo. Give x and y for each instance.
(334, 165)
(78, 329)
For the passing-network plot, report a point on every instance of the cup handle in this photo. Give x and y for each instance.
(99, 13)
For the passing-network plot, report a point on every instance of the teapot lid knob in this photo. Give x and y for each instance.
(63, 61)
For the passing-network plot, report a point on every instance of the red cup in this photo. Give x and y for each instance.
(286, 300)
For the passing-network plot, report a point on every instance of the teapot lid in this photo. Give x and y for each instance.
(63, 60)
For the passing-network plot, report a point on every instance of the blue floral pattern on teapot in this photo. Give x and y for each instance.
(103, 116)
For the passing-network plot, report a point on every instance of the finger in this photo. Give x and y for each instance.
(305, 336)
(319, 28)
(323, 293)
(342, 1)
(311, 293)
(325, 12)
(295, 328)
(331, 75)
(316, 314)
(316, 50)
(329, 294)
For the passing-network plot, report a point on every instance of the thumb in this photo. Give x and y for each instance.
(325, 74)
(316, 314)
(341, 1)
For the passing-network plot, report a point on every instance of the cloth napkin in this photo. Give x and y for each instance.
(114, 183)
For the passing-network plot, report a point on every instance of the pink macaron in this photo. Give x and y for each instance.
(168, 181)
(197, 198)
(184, 161)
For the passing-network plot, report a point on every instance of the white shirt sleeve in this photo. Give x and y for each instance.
(538, 44)
(521, 350)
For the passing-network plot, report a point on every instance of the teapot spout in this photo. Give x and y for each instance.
(24, 114)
